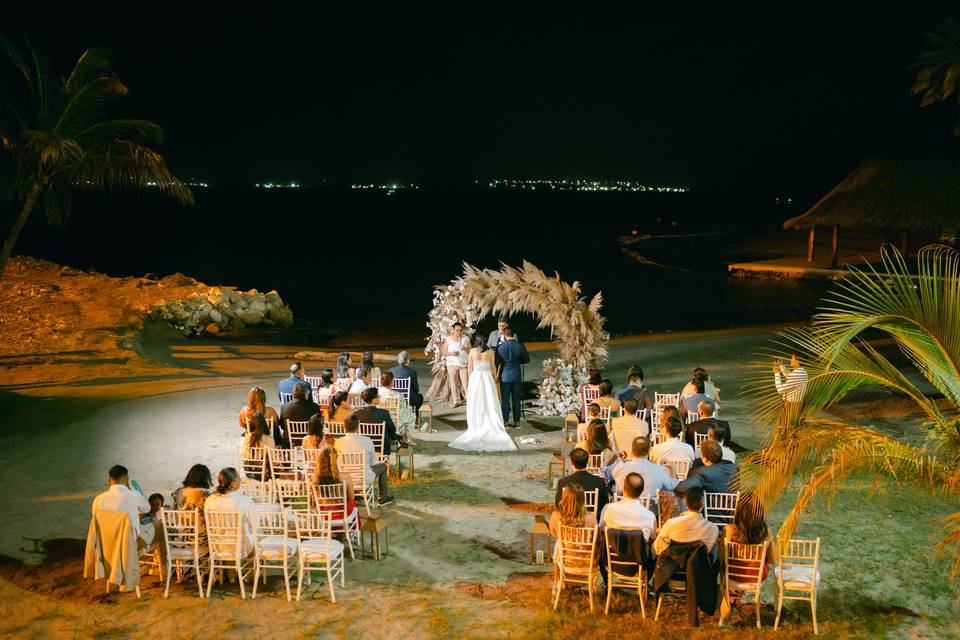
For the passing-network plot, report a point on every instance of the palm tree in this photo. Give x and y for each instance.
(55, 137)
(938, 67)
(920, 314)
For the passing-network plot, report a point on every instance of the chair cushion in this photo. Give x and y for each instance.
(798, 578)
(272, 547)
(318, 549)
(185, 553)
(267, 507)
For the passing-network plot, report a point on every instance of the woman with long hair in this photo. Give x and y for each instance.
(194, 489)
(328, 473)
(481, 352)
(607, 400)
(259, 435)
(339, 409)
(709, 389)
(598, 441)
(314, 438)
(366, 360)
(571, 512)
(343, 374)
(257, 403)
(326, 386)
(362, 381)
(227, 497)
(750, 527)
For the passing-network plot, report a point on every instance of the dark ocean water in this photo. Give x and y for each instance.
(352, 261)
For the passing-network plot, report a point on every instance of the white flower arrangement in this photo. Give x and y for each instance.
(560, 388)
(448, 309)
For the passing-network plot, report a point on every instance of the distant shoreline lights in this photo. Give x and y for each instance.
(390, 188)
(579, 185)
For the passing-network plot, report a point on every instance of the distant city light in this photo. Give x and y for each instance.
(581, 185)
(390, 188)
(276, 185)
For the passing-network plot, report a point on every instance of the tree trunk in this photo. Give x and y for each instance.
(11, 239)
(810, 242)
(835, 259)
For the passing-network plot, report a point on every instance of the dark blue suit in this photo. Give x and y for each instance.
(510, 356)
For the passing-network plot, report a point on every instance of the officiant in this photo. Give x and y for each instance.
(496, 337)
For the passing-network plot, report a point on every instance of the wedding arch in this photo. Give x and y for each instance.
(575, 324)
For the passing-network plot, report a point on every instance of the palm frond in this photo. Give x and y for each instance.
(125, 165)
(950, 543)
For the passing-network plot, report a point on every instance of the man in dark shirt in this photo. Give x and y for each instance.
(579, 459)
(636, 391)
(705, 409)
(371, 414)
(715, 476)
(299, 409)
(403, 370)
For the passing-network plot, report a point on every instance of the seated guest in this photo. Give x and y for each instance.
(327, 473)
(592, 383)
(655, 477)
(362, 381)
(353, 442)
(386, 386)
(689, 526)
(259, 435)
(705, 409)
(297, 372)
(194, 490)
(624, 429)
(636, 391)
(366, 361)
(718, 433)
(606, 399)
(593, 413)
(749, 527)
(257, 403)
(298, 410)
(598, 442)
(372, 414)
(691, 402)
(343, 373)
(326, 386)
(314, 438)
(120, 497)
(339, 409)
(672, 448)
(227, 497)
(715, 475)
(587, 481)
(709, 389)
(571, 510)
(156, 504)
(403, 370)
(628, 513)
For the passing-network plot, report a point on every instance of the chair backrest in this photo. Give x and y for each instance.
(309, 461)
(605, 416)
(799, 558)
(285, 398)
(356, 402)
(292, 494)
(654, 421)
(697, 439)
(719, 508)
(283, 463)
(336, 429)
(328, 497)
(259, 492)
(402, 386)
(253, 462)
(375, 431)
(594, 463)
(666, 399)
(181, 529)
(224, 534)
(577, 546)
(589, 396)
(677, 468)
(590, 500)
(297, 430)
(393, 406)
(615, 566)
(269, 524)
(353, 464)
(312, 525)
(313, 381)
(692, 417)
(322, 399)
(745, 562)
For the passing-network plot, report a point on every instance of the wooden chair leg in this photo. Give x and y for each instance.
(813, 608)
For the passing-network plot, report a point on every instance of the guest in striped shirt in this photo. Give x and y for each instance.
(793, 384)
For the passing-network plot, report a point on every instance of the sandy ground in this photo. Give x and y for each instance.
(458, 532)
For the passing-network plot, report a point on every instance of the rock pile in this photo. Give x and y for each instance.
(222, 309)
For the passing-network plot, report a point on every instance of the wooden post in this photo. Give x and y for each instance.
(904, 241)
(835, 260)
(810, 242)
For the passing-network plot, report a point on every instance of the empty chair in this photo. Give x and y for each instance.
(252, 462)
(666, 399)
(283, 463)
(228, 546)
(594, 464)
(743, 571)
(318, 551)
(272, 549)
(297, 430)
(332, 499)
(292, 495)
(590, 502)
(623, 574)
(577, 560)
(719, 508)
(798, 575)
(354, 465)
(181, 534)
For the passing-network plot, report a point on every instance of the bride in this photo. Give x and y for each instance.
(485, 430)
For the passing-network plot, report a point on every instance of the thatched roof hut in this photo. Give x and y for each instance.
(917, 194)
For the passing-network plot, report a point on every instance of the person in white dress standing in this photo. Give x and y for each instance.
(455, 352)
(485, 430)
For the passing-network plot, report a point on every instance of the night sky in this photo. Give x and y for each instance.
(785, 102)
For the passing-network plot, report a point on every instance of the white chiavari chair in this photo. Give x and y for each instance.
(679, 469)
(272, 548)
(285, 398)
(376, 431)
(719, 508)
(335, 429)
(666, 399)
(297, 431)
(260, 492)
(283, 463)
(332, 499)
(697, 439)
(402, 386)
(181, 535)
(354, 464)
(798, 571)
(356, 402)
(594, 463)
(576, 562)
(743, 571)
(590, 499)
(252, 462)
(318, 551)
(228, 545)
(618, 576)
(692, 417)
(292, 495)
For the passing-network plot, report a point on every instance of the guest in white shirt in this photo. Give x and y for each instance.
(353, 442)
(227, 497)
(120, 497)
(690, 526)
(793, 385)
(362, 382)
(624, 429)
(655, 477)
(673, 448)
(628, 513)
(386, 387)
(455, 350)
(717, 433)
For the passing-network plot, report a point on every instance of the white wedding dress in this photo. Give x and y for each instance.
(485, 430)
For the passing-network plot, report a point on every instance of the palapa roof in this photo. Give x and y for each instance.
(917, 193)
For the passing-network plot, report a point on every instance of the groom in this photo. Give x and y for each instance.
(510, 356)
